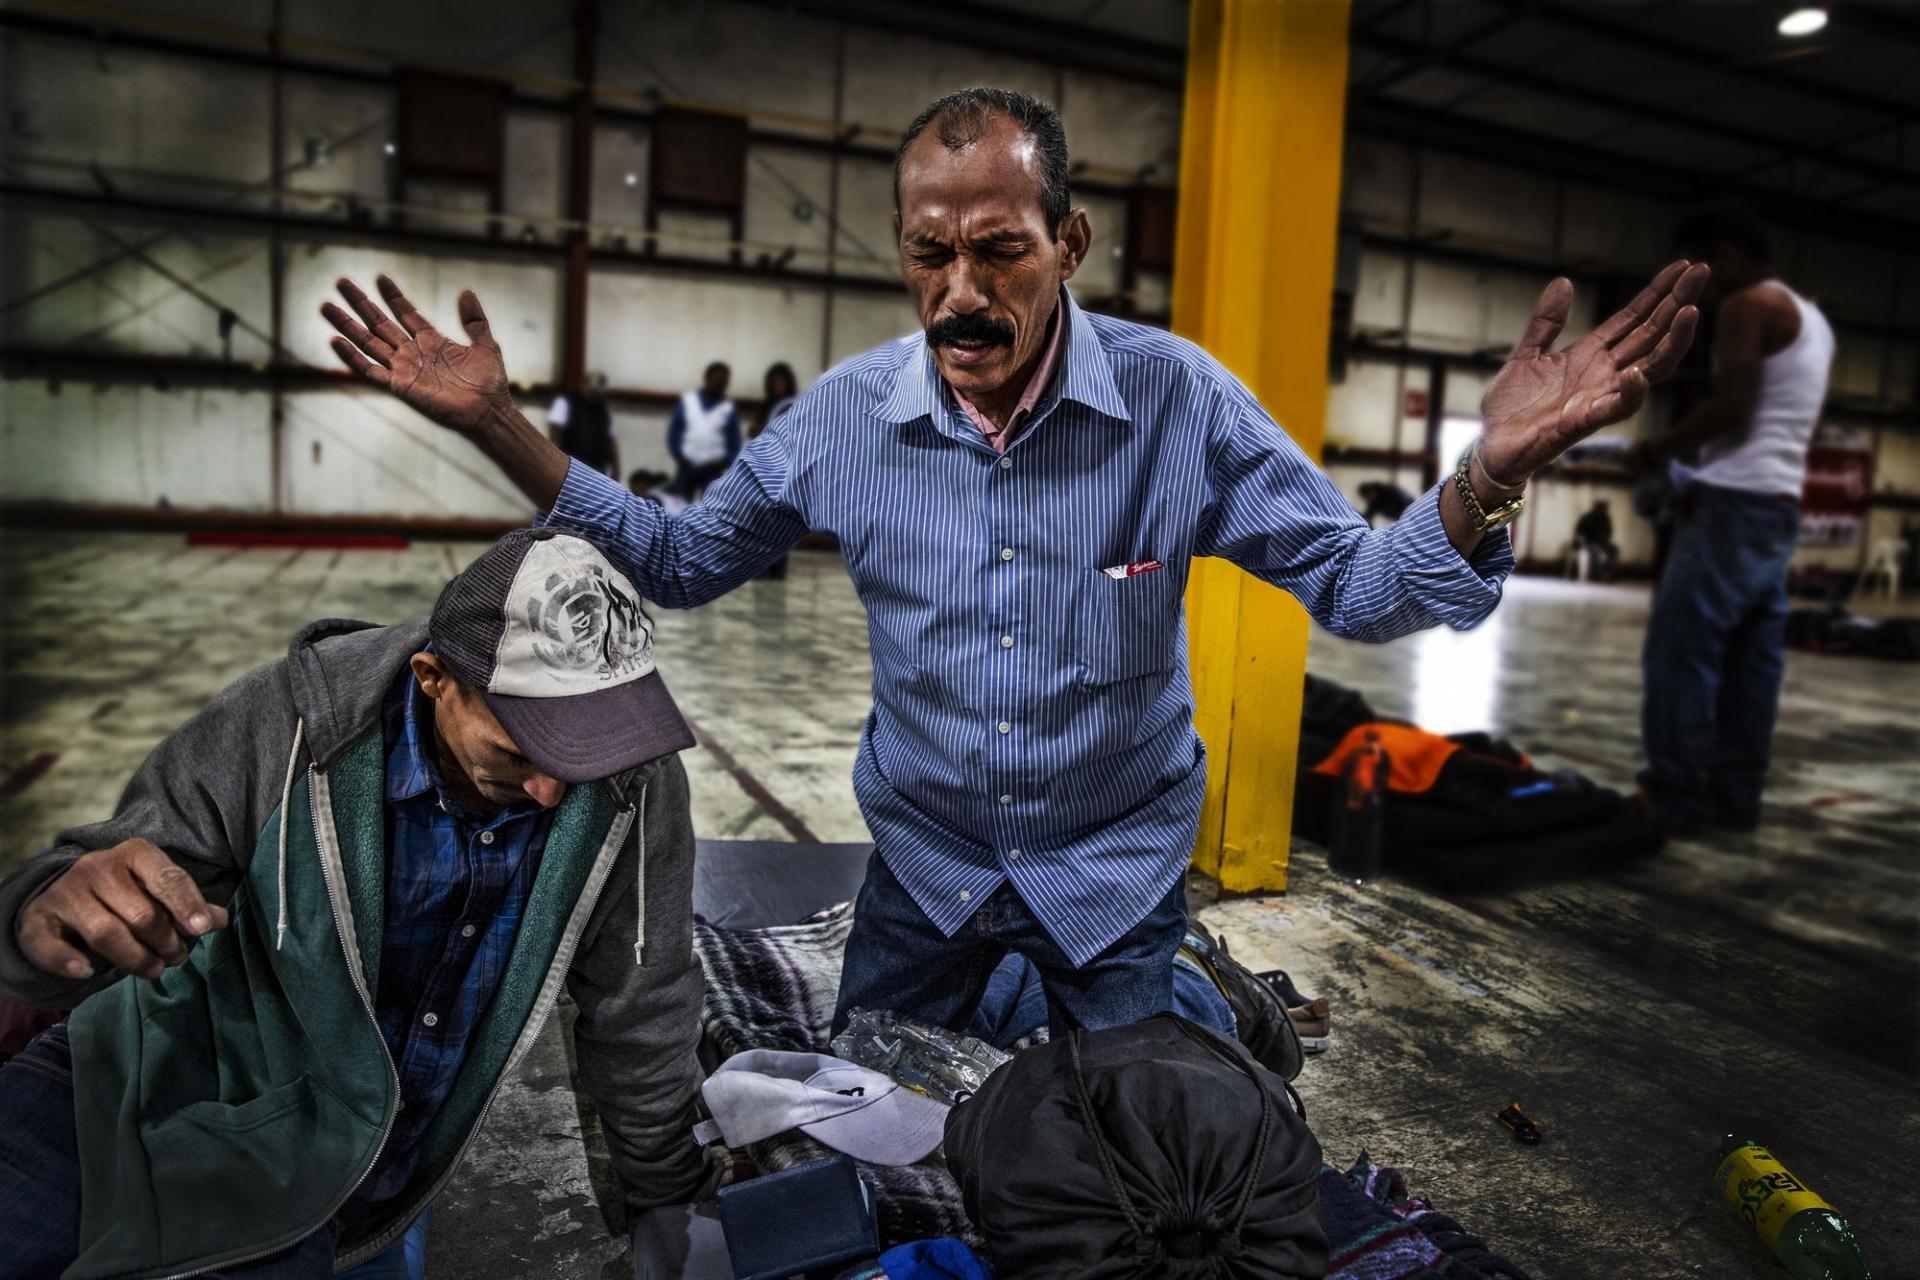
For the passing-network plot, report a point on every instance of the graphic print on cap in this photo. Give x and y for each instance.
(574, 625)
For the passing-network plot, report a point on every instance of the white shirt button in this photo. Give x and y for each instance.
(486, 837)
(1006, 642)
(966, 895)
(1006, 553)
(1006, 799)
(1005, 463)
(1005, 727)
(430, 1020)
(467, 931)
(1012, 854)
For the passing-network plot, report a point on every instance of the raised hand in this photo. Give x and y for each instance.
(130, 905)
(1542, 402)
(457, 386)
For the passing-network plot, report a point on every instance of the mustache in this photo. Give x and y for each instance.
(969, 328)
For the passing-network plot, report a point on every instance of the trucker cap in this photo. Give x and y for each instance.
(848, 1107)
(554, 638)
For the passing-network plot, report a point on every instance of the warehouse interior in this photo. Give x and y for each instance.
(639, 189)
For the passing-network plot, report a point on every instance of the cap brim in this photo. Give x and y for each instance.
(902, 1128)
(595, 735)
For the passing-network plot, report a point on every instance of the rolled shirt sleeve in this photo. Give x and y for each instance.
(1279, 517)
(742, 525)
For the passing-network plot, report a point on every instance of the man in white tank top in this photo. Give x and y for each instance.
(1715, 649)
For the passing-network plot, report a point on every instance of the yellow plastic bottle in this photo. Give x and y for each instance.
(1803, 1232)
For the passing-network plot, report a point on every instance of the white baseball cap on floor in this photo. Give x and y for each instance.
(863, 1113)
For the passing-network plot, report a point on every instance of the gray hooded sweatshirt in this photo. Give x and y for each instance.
(209, 789)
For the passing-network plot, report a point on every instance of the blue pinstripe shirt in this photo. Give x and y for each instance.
(1033, 719)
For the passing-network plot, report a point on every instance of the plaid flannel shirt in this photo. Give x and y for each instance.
(456, 888)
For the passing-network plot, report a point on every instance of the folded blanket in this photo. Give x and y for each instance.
(775, 989)
(1376, 1230)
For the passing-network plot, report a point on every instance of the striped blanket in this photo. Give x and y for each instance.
(775, 989)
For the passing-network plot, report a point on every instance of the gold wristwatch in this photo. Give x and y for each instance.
(1485, 521)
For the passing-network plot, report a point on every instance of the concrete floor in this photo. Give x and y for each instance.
(1768, 985)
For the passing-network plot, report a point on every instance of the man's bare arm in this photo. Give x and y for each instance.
(1738, 362)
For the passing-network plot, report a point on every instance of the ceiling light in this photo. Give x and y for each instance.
(391, 150)
(632, 179)
(1803, 22)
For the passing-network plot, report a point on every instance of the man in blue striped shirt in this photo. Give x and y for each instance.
(1017, 491)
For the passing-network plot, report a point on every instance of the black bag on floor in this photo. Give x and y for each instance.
(1160, 1149)
(1465, 812)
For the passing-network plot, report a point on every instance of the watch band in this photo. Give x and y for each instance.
(1484, 521)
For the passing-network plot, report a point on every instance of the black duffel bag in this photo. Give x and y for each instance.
(1160, 1149)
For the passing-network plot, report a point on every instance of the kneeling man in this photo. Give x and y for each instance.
(346, 895)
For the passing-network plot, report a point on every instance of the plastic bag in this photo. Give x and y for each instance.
(944, 1065)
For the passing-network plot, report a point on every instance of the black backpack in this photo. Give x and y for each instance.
(1157, 1149)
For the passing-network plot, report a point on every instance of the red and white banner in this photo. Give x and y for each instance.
(1839, 489)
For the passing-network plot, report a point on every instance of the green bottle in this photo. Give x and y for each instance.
(1804, 1233)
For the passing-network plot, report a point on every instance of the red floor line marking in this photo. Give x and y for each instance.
(27, 774)
(1841, 797)
(786, 817)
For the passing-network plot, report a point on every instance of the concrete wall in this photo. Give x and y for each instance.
(172, 128)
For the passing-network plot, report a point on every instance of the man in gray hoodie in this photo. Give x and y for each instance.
(347, 894)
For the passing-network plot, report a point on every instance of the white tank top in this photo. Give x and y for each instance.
(1772, 459)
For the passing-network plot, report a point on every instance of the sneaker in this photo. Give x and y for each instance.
(1259, 1013)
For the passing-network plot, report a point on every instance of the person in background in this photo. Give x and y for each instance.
(703, 435)
(780, 390)
(1594, 532)
(326, 920)
(1715, 648)
(581, 423)
(1383, 499)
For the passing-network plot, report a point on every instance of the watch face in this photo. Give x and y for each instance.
(1504, 516)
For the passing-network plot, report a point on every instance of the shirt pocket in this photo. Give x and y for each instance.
(1125, 628)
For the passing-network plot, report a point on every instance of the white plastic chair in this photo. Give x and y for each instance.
(1886, 564)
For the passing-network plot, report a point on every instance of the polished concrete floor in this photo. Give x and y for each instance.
(1765, 984)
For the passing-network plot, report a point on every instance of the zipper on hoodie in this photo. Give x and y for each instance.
(393, 1074)
(537, 1023)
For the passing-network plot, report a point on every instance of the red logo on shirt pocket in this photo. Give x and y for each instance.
(1133, 569)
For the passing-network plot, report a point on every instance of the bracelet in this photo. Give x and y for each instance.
(1510, 488)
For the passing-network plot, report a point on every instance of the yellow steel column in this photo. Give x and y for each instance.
(1253, 283)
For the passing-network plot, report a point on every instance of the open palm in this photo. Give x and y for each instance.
(1542, 402)
(456, 386)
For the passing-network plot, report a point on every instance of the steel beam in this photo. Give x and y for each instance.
(1258, 220)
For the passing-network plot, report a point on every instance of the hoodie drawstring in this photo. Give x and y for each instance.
(640, 885)
(286, 798)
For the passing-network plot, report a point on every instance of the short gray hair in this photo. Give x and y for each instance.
(961, 117)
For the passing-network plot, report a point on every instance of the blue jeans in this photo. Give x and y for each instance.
(898, 959)
(1715, 653)
(1015, 1005)
(40, 1184)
